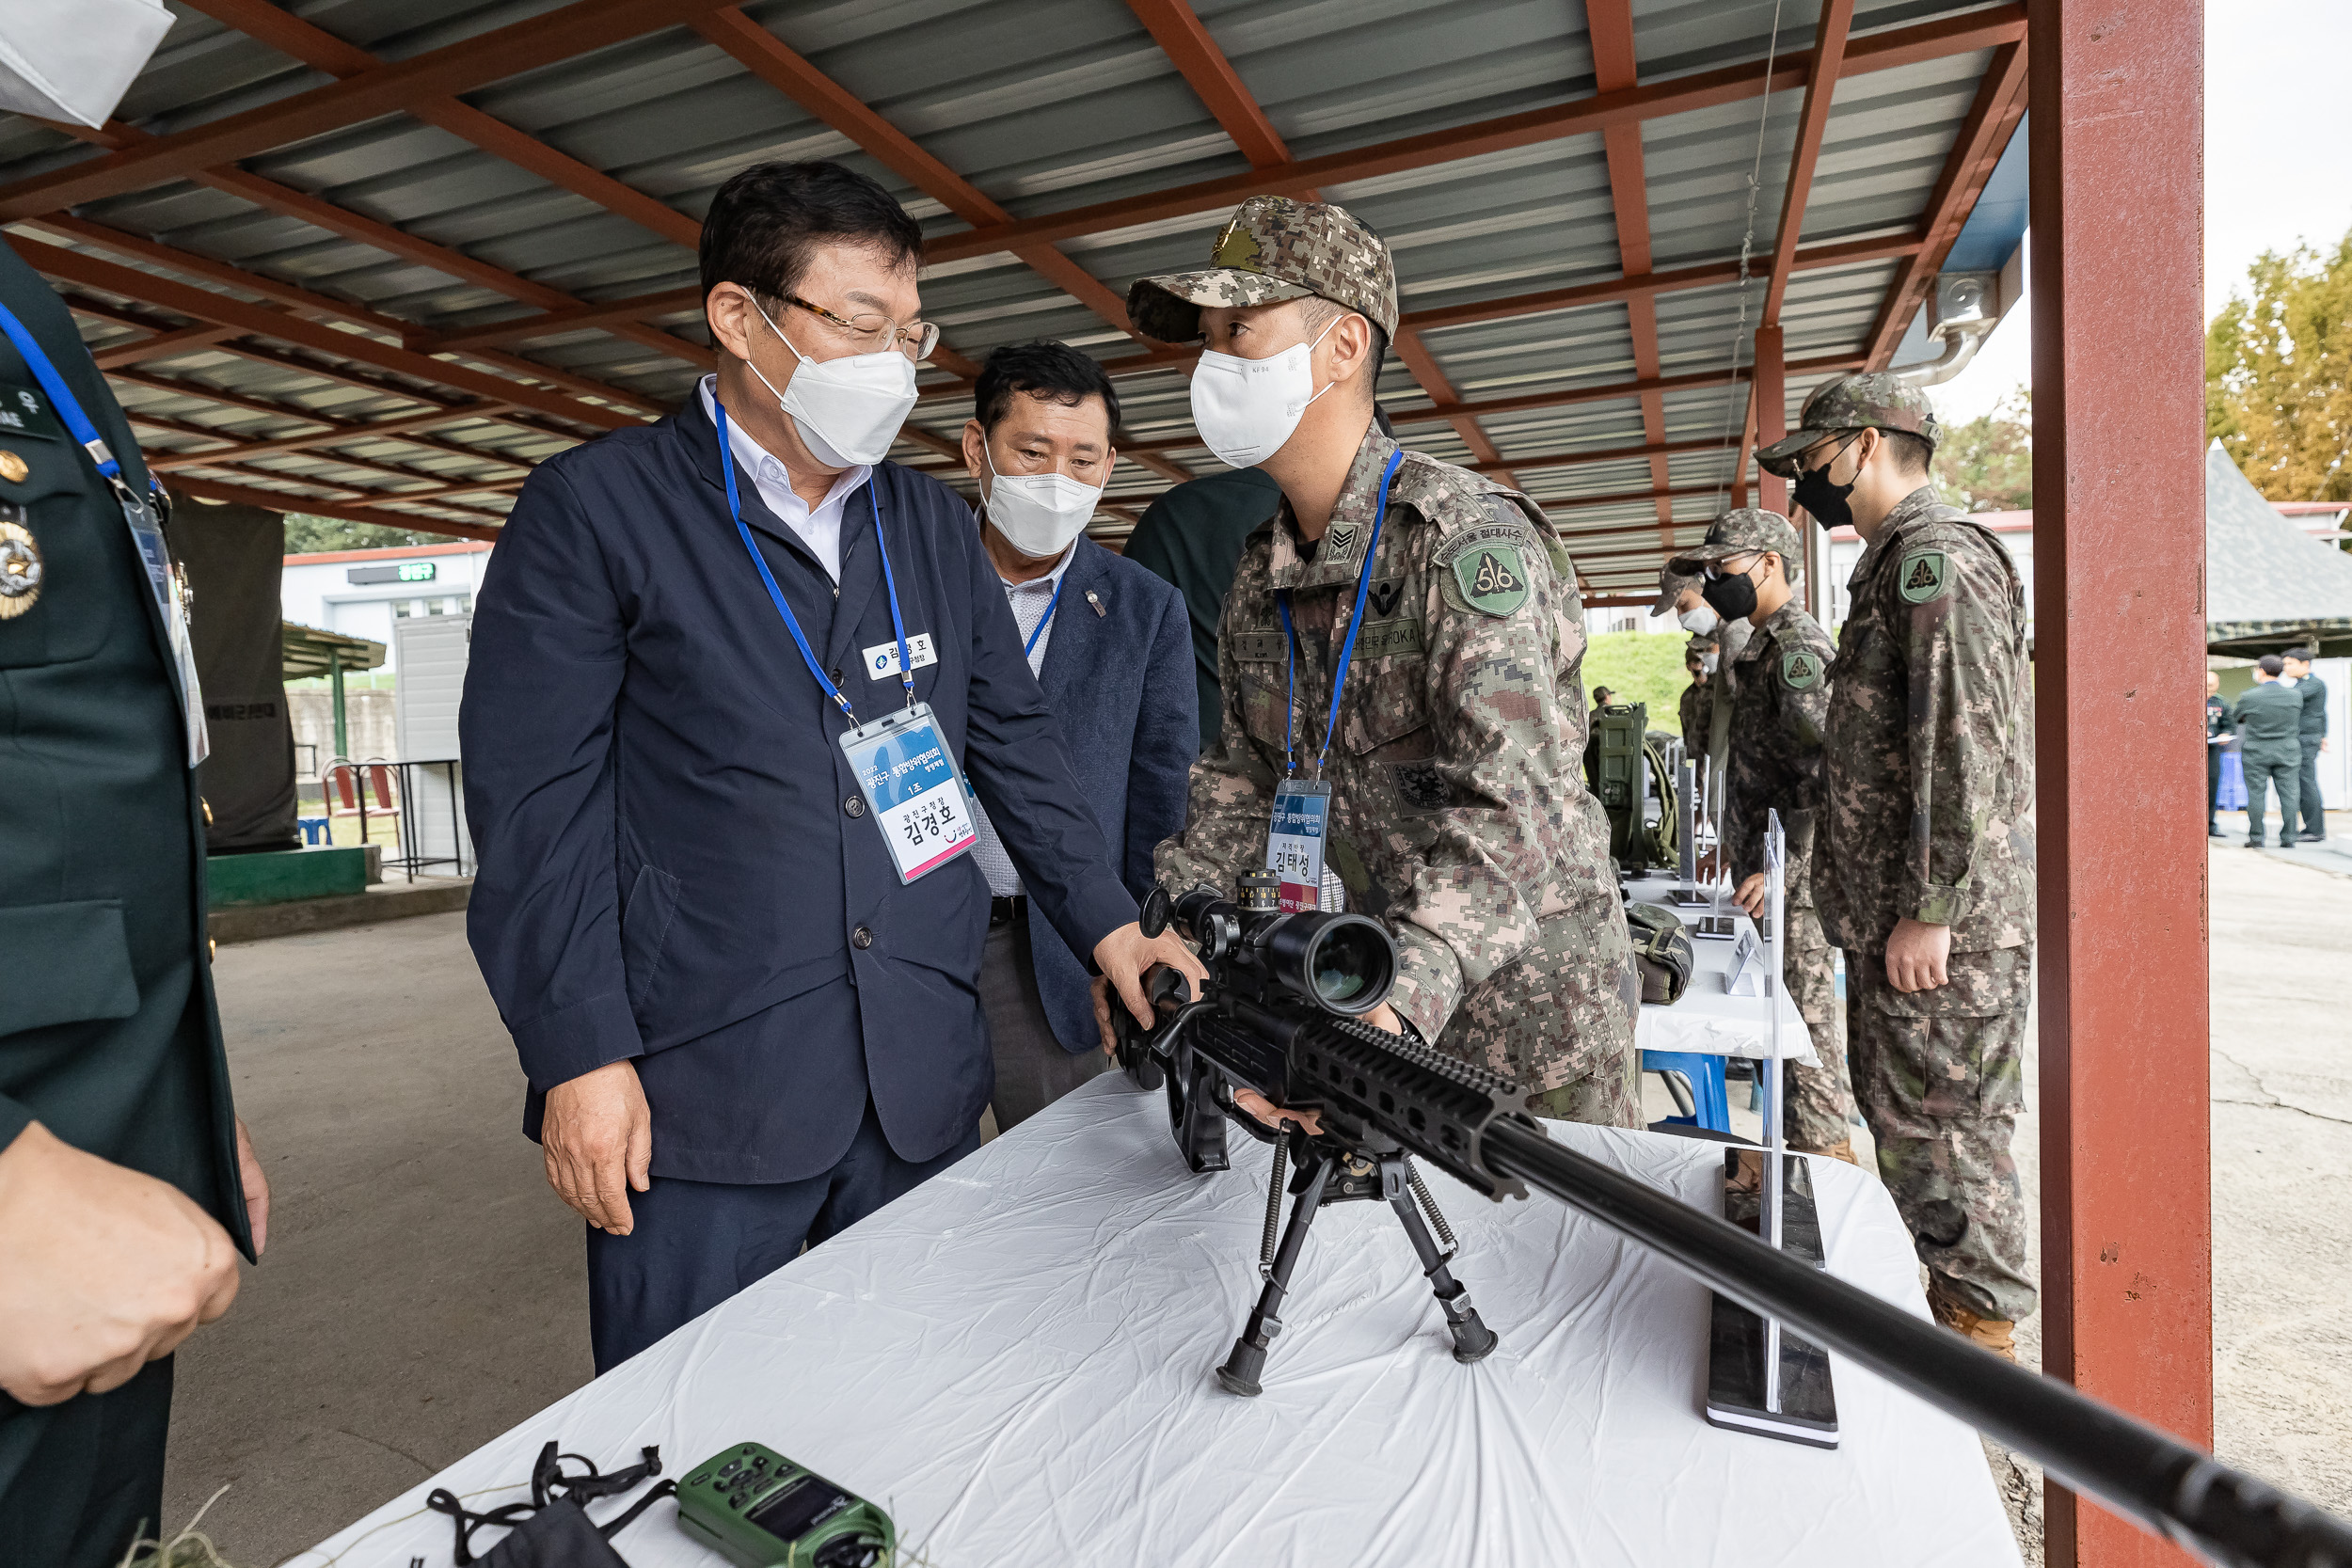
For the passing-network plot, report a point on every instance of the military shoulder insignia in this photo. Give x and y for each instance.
(1486, 568)
(19, 570)
(1922, 575)
(1339, 541)
(1800, 669)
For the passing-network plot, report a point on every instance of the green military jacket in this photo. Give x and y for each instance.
(1779, 716)
(1928, 788)
(2269, 722)
(2314, 725)
(1459, 812)
(108, 1035)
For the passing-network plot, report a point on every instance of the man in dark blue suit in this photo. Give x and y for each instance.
(1110, 644)
(736, 992)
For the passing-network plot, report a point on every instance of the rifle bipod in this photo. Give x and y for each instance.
(1327, 1177)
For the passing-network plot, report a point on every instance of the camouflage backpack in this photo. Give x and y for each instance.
(1662, 951)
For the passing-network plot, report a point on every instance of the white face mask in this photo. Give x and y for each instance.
(1039, 515)
(1699, 620)
(1708, 661)
(1245, 410)
(848, 410)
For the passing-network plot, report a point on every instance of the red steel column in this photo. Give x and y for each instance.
(2116, 96)
(1772, 410)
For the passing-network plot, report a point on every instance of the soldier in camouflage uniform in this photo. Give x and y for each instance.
(1696, 705)
(1926, 854)
(1459, 815)
(1778, 716)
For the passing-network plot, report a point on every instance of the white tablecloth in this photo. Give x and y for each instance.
(1710, 1019)
(1015, 1360)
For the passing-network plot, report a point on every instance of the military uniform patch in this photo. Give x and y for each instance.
(1384, 595)
(1494, 579)
(1489, 572)
(1800, 669)
(1922, 575)
(1340, 541)
(1381, 639)
(1257, 647)
(20, 571)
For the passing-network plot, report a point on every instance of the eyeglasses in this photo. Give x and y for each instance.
(876, 333)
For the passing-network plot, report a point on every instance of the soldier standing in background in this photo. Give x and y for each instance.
(1678, 593)
(1408, 634)
(1927, 840)
(2269, 745)
(1697, 704)
(2312, 806)
(1779, 713)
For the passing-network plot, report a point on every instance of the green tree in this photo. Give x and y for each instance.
(308, 535)
(2275, 374)
(1987, 463)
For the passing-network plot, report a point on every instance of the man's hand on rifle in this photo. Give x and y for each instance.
(1271, 1114)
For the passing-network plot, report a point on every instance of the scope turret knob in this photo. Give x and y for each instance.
(1158, 910)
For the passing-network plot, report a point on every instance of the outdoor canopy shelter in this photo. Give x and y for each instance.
(377, 259)
(2268, 585)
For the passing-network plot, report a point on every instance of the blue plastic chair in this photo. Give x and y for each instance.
(1707, 1094)
(314, 828)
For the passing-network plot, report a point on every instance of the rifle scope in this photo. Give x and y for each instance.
(1342, 963)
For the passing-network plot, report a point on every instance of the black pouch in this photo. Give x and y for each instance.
(553, 1530)
(1662, 951)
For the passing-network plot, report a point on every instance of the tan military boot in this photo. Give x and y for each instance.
(1991, 1334)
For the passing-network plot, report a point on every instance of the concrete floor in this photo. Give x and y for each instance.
(424, 1291)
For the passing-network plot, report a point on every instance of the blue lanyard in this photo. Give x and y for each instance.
(1030, 646)
(61, 397)
(1347, 648)
(791, 622)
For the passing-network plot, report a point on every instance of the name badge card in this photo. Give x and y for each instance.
(912, 789)
(1294, 847)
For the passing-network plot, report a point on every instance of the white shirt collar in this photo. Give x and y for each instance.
(767, 471)
(1052, 578)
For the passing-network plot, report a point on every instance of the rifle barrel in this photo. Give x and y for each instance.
(2156, 1480)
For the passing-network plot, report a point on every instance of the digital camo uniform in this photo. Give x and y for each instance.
(1928, 797)
(1779, 716)
(1459, 815)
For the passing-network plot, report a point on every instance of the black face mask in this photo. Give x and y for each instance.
(1824, 503)
(1732, 597)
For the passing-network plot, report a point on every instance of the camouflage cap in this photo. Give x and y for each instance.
(1873, 400)
(1670, 586)
(1745, 531)
(1273, 248)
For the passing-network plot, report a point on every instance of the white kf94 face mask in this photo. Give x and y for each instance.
(1699, 620)
(1039, 515)
(1245, 410)
(848, 410)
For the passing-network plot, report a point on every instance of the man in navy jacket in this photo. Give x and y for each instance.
(1109, 643)
(726, 1000)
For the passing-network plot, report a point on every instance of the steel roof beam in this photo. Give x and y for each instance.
(1820, 86)
(204, 305)
(277, 501)
(558, 34)
(1179, 32)
(316, 47)
(767, 57)
(1999, 105)
(1614, 454)
(322, 213)
(1894, 48)
(401, 429)
(1609, 28)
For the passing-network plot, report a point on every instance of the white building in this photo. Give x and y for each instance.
(366, 592)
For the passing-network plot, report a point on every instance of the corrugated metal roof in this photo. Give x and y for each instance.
(1043, 107)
